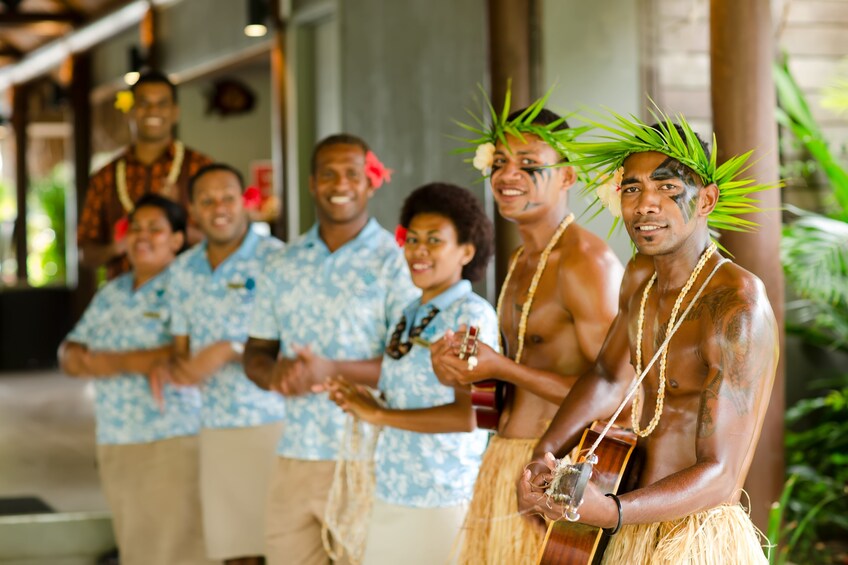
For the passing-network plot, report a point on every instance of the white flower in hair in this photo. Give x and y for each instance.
(609, 193)
(484, 157)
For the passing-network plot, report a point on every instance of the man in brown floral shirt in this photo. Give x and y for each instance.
(156, 162)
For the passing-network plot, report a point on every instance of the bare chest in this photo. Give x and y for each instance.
(679, 366)
(532, 317)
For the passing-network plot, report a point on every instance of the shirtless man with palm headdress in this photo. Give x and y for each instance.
(703, 402)
(555, 309)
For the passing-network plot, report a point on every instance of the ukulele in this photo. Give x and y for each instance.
(487, 397)
(613, 467)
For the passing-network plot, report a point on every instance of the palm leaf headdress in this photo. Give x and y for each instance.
(485, 135)
(622, 136)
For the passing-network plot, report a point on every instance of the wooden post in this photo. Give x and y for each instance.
(81, 116)
(743, 100)
(20, 120)
(279, 68)
(510, 24)
(147, 34)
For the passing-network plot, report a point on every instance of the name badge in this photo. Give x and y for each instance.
(248, 284)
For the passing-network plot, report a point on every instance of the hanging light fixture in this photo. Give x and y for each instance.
(136, 61)
(257, 15)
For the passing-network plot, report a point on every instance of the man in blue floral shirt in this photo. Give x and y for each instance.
(212, 293)
(325, 305)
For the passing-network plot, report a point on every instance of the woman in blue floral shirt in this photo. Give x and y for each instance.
(428, 452)
(146, 431)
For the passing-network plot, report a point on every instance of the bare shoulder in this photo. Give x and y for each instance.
(585, 258)
(738, 343)
(736, 311)
(637, 272)
(734, 291)
(639, 269)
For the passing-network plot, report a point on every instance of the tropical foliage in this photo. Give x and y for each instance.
(811, 518)
(499, 125)
(46, 228)
(815, 246)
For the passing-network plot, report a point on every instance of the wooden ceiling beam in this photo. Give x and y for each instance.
(17, 19)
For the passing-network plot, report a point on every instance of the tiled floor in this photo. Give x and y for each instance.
(47, 441)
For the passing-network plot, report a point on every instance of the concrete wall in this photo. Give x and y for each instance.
(236, 140)
(402, 85)
(201, 35)
(594, 60)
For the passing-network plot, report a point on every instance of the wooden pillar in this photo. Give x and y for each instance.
(147, 33)
(20, 120)
(279, 84)
(81, 116)
(510, 40)
(743, 100)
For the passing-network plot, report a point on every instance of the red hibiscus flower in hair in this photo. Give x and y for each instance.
(400, 235)
(121, 227)
(376, 172)
(252, 198)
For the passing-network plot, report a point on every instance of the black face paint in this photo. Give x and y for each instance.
(495, 169)
(687, 200)
(544, 172)
(540, 176)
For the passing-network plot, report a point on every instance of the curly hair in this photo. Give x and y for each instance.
(466, 214)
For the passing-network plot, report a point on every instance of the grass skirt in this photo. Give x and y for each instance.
(723, 535)
(494, 533)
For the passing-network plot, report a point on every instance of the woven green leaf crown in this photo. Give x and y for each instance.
(624, 136)
(500, 126)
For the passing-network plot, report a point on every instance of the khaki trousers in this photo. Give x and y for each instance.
(152, 490)
(413, 536)
(235, 474)
(295, 512)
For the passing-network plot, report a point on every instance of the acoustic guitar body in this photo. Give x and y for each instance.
(572, 543)
(487, 400)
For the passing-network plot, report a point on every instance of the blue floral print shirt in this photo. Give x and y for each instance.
(120, 318)
(339, 304)
(210, 306)
(430, 470)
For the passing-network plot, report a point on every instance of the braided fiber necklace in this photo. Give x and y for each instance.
(634, 418)
(534, 282)
(173, 175)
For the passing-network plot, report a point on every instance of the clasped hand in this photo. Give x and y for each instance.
(354, 399)
(304, 374)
